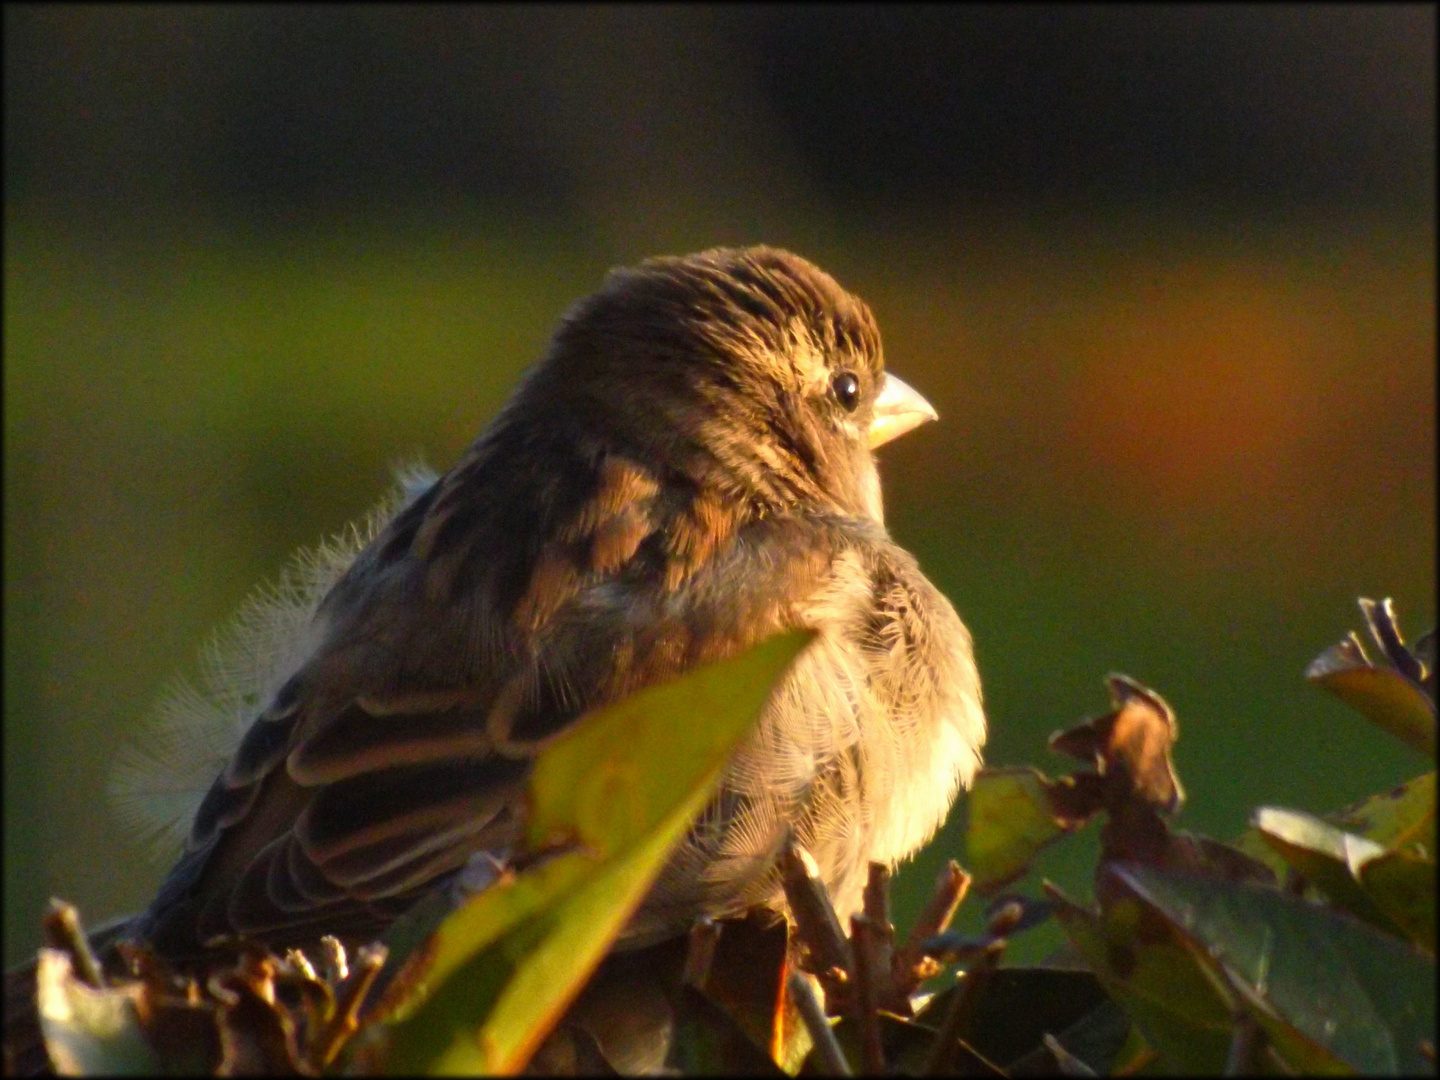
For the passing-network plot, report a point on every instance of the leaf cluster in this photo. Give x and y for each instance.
(1305, 945)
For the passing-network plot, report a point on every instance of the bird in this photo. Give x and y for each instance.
(687, 470)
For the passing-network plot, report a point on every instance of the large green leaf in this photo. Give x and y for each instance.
(1362, 995)
(1016, 1007)
(1302, 1053)
(709, 1042)
(1151, 973)
(617, 791)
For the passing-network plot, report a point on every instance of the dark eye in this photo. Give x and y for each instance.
(847, 390)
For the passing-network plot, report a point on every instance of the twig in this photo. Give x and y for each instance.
(333, 964)
(950, 889)
(941, 1058)
(864, 941)
(877, 895)
(258, 970)
(912, 965)
(1005, 918)
(63, 931)
(956, 948)
(346, 1018)
(815, 922)
(300, 965)
(891, 993)
(828, 1055)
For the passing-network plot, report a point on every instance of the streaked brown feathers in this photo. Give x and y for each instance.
(673, 483)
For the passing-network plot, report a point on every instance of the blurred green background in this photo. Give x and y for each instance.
(1168, 274)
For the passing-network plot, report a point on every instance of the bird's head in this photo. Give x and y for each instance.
(746, 369)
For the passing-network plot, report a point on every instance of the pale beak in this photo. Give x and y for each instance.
(898, 409)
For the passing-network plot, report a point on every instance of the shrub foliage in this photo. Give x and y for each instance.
(1307, 944)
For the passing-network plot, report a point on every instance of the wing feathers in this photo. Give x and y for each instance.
(371, 735)
(221, 808)
(382, 795)
(364, 810)
(262, 748)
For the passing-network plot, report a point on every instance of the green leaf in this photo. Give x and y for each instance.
(1327, 857)
(1011, 815)
(614, 776)
(707, 1041)
(623, 785)
(1136, 1057)
(1362, 995)
(1289, 830)
(1096, 1039)
(1394, 890)
(1303, 1054)
(1402, 818)
(1403, 886)
(1149, 970)
(1016, 1007)
(1381, 694)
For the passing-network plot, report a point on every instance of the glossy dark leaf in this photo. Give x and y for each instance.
(1364, 996)
(1096, 1039)
(1300, 1052)
(1018, 1006)
(745, 978)
(1150, 971)
(707, 1041)
(1326, 856)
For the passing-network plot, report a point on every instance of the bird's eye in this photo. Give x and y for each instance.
(847, 390)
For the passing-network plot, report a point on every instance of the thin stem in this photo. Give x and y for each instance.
(816, 924)
(63, 931)
(941, 1058)
(828, 1055)
(864, 940)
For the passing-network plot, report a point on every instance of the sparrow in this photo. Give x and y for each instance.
(688, 470)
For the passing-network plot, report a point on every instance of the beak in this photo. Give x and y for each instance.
(898, 409)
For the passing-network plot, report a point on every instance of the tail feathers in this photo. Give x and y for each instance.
(164, 771)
